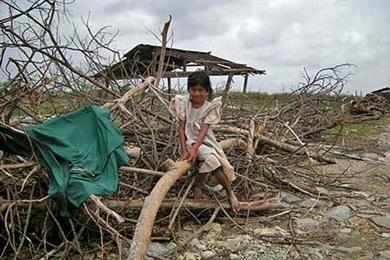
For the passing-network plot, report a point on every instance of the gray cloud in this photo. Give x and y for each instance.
(279, 36)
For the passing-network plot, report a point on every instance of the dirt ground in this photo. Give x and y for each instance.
(350, 220)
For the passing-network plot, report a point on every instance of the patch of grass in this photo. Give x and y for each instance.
(347, 129)
(356, 130)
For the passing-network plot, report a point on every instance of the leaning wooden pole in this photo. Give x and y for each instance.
(163, 50)
(143, 230)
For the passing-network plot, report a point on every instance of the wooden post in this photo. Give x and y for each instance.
(227, 87)
(245, 83)
(184, 65)
(169, 85)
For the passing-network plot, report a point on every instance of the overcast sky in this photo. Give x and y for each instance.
(281, 37)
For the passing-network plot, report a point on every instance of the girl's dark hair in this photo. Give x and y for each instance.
(199, 78)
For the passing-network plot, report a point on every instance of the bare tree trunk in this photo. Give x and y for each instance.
(149, 211)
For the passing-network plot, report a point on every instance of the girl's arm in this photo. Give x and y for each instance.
(182, 140)
(199, 142)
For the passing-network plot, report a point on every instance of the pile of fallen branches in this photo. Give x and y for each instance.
(265, 147)
(371, 105)
(264, 163)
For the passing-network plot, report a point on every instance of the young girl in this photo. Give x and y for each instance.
(197, 141)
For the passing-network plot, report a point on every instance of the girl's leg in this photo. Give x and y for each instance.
(221, 177)
(200, 179)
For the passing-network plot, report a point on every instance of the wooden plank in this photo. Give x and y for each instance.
(184, 65)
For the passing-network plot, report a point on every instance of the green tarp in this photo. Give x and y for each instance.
(82, 152)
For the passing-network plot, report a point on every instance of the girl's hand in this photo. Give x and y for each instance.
(193, 153)
(184, 155)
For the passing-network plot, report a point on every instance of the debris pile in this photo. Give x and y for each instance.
(269, 150)
(265, 152)
(370, 104)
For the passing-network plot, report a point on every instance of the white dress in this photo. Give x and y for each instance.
(210, 153)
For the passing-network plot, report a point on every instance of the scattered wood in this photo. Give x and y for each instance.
(260, 205)
(265, 143)
(275, 143)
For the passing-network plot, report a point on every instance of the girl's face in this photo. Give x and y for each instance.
(198, 94)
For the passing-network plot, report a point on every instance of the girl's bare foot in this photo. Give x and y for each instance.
(234, 203)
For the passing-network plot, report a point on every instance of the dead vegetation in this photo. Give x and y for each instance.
(268, 148)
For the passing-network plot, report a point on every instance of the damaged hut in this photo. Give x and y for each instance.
(143, 60)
